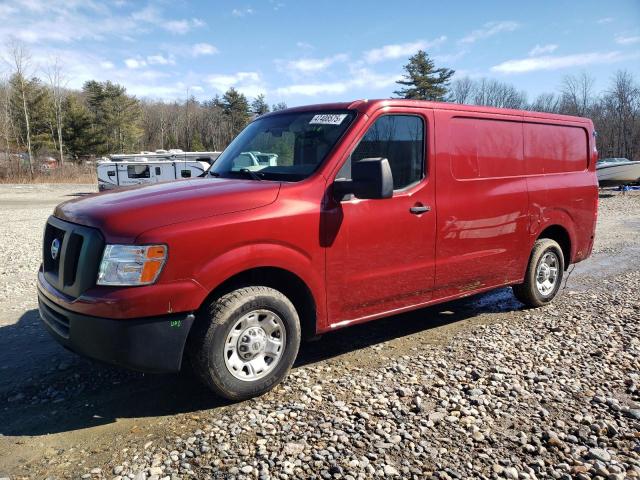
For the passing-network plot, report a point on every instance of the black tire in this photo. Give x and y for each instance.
(528, 292)
(214, 324)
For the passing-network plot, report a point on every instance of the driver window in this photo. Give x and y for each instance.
(398, 138)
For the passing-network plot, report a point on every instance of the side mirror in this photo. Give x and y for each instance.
(371, 178)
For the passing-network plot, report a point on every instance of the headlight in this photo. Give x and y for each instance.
(130, 265)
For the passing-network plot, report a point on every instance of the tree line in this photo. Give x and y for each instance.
(615, 111)
(41, 117)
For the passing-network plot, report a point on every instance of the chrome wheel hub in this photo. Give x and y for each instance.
(252, 341)
(547, 273)
(254, 345)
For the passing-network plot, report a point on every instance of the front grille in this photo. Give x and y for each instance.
(51, 233)
(71, 265)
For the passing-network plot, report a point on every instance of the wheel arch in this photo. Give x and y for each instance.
(288, 283)
(561, 235)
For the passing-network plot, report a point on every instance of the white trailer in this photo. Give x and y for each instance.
(152, 167)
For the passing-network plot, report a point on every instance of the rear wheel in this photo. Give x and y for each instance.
(246, 342)
(544, 274)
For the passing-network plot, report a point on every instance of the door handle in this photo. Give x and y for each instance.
(418, 209)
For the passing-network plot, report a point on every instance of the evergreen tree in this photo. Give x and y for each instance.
(236, 107)
(196, 143)
(259, 106)
(77, 131)
(115, 116)
(423, 81)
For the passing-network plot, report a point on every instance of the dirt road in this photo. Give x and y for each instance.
(63, 416)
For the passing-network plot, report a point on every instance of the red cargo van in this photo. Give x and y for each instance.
(364, 210)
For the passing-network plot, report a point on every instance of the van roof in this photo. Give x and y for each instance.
(369, 106)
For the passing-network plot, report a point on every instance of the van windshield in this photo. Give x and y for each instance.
(287, 146)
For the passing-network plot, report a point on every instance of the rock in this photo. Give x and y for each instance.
(390, 471)
(293, 448)
(436, 417)
(511, 472)
(634, 413)
(600, 454)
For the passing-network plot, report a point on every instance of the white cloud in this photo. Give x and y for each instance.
(449, 57)
(107, 65)
(313, 65)
(248, 83)
(541, 49)
(68, 21)
(312, 89)
(160, 60)
(304, 45)
(203, 49)
(627, 40)
(134, 63)
(550, 62)
(360, 77)
(389, 52)
(489, 30)
(241, 12)
(605, 20)
(6, 11)
(153, 16)
(364, 77)
(148, 14)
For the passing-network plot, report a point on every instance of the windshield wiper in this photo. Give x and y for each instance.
(251, 173)
(214, 174)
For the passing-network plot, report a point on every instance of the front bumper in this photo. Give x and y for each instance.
(153, 344)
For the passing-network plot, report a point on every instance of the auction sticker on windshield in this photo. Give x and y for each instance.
(328, 119)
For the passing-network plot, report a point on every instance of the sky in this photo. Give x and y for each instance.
(302, 52)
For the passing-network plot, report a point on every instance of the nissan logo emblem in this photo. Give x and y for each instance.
(55, 248)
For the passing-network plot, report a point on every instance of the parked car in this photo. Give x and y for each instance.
(371, 208)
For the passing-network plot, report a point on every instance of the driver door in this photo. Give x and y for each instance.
(380, 254)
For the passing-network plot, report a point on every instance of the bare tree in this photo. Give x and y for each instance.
(577, 94)
(493, 93)
(462, 90)
(57, 85)
(6, 121)
(546, 102)
(20, 61)
(621, 106)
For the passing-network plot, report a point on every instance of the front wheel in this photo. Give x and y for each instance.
(246, 343)
(544, 274)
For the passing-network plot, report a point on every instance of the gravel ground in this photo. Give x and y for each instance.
(474, 388)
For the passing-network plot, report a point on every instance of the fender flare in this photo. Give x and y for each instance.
(560, 218)
(257, 255)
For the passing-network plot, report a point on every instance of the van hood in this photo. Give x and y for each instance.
(125, 214)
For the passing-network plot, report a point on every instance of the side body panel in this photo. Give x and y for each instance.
(561, 179)
(483, 220)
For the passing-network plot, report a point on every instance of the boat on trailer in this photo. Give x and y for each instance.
(614, 172)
